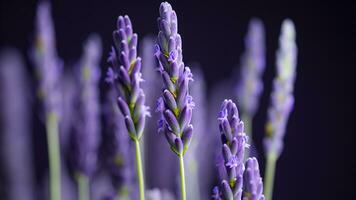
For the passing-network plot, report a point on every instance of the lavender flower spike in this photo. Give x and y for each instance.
(48, 67)
(175, 104)
(282, 96)
(252, 67)
(253, 181)
(234, 143)
(88, 126)
(125, 75)
(282, 101)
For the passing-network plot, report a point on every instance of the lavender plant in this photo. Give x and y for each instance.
(234, 142)
(125, 75)
(253, 186)
(175, 104)
(250, 84)
(88, 124)
(48, 67)
(282, 101)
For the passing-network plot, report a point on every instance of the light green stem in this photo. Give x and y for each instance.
(54, 156)
(182, 177)
(269, 175)
(248, 130)
(139, 170)
(83, 187)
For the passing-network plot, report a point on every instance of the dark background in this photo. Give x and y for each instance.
(317, 161)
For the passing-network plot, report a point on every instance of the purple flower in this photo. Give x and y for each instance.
(282, 98)
(125, 75)
(253, 186)
(252, 67)
(86, 140)
(48, 65)
(234, 143)
(178, 104)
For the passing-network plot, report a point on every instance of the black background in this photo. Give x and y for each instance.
(317, 161)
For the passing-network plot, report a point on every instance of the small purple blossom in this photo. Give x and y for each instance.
(282, 99)
(125, 75)
(178, 104)
(252, 67)
(253, 186)
(234, 143)
(86, 139)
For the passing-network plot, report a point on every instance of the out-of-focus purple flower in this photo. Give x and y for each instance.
(253, 186)
(253, 63)
(48, 65)
(234, 143)
(176, 104)
(118, 152)
(125, 74)
(282, 99)
(15, 146)
(153, 142)
(86, 139)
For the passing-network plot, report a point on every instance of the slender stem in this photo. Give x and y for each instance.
(54, 156)
(269, 175)
(139, 170)
(182, 177)
(248, 129)
(83, 187)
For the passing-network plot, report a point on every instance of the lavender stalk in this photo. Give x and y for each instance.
(250, 86)
(48, 67)
(282, 102)
(175, 104)
(88, 125)
(125, 75)
(253, 181)
(234, 143)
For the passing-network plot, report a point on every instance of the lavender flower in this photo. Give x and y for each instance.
(16, 146)
(282, 102)
(86, 139)
(253, 181)
(252, 67)
(234, 144)
(282, 95)
(48, 67)
(175, 104)
(125, 75)
(88, 125)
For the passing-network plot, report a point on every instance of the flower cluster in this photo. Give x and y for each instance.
(253, 181)
(175, 104)
(234, 142)
(282, 96)
(125, 74)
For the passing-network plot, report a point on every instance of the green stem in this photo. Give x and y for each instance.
(248, 130)
(54, 156)
(139, 170)
(83, 187)
(182, 177)
(269, 175)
